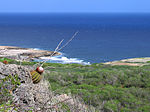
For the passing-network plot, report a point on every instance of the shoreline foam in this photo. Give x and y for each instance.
(64, 60)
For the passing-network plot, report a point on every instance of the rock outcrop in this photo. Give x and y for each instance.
(25, 54)
(37, 97)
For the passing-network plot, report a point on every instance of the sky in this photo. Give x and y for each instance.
(87, 6)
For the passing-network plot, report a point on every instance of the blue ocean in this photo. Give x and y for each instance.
(101, 38)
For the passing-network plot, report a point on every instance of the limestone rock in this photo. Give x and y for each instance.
(37, 97)
(25, 54)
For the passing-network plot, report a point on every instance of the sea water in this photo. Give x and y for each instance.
(102, 37)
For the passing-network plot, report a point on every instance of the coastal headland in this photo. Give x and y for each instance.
(25, 54)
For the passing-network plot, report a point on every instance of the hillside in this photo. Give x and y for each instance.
(97, 87)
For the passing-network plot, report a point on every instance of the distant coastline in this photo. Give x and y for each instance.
(30, 54)
(131, 62)
(25, 54)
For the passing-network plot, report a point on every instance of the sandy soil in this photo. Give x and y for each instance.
(131, 62)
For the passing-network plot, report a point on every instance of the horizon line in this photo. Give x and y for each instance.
(74, 12)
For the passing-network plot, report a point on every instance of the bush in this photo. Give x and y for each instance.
(107, 88)
(7, 85)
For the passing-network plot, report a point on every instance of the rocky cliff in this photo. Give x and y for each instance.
(34, 97)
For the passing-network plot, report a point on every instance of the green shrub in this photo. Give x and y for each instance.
(7, 85)
(105, 87)
(117, 88)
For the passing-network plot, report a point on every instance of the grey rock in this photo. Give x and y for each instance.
(37, 97)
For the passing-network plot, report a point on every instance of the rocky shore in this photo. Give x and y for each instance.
(25, 54)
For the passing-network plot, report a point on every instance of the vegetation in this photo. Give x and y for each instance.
(105, 87)
(7, 86)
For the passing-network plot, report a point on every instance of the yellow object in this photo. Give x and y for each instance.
(36, 77)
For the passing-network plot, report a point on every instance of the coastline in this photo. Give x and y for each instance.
(30, 54)
(131, 62)
(24, 54)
